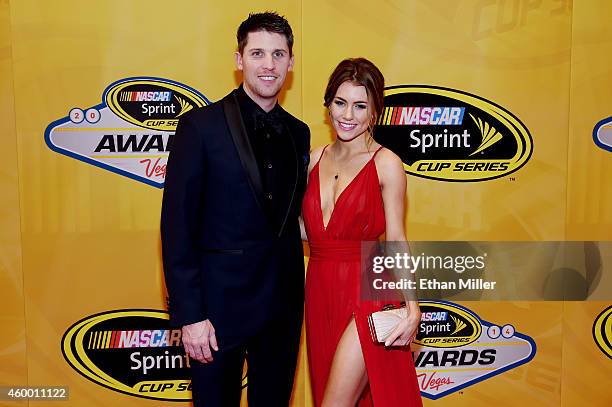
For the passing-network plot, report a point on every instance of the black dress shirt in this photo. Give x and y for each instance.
(275, 155)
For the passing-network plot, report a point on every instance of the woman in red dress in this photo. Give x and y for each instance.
(356, 191)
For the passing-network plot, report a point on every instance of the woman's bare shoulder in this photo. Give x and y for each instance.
(387, 162)
(315, 154)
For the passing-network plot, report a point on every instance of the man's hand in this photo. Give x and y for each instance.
(198, 338)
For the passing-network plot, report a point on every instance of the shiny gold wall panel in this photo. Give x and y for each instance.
(76, 240)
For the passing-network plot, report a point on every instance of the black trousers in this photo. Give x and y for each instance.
(271, 357)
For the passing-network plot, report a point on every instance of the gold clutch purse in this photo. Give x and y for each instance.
(382, 323)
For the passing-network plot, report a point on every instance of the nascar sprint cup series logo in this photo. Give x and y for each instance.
(455, 349)
(449, 135)
(602, 134)
(602, 331)
(130, 132)
(130, 351)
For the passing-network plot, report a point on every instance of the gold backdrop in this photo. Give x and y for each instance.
(77, 240)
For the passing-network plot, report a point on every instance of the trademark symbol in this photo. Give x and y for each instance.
(512, 179)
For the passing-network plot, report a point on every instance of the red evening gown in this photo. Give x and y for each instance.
(333, 291)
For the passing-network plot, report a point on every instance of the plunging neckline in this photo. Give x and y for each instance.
(331, 216)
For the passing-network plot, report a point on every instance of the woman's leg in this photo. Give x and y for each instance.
(348, 376)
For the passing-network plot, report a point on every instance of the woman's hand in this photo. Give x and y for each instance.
(406, 329)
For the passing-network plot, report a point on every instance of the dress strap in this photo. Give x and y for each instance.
(322, 152)
(376, 152)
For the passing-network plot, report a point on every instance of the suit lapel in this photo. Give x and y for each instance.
(243, 146)
(296, 174)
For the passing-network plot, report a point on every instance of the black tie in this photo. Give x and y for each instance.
(271, 120)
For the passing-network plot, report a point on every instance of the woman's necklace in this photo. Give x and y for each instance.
(336, 168)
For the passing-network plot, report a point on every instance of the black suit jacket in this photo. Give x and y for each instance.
(223, 259)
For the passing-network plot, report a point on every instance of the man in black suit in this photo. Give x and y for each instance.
(231, 243)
